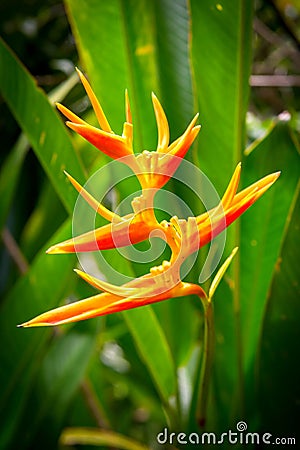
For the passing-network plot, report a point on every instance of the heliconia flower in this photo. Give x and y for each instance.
(104, 139)
(122, 231)
(153, 168)
(137, 227)
(163, 282)
(184, 237)
(154, 287)
(232, 205)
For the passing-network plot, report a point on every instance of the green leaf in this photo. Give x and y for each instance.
(153, 347)
(279, 367)
(123, 49)
(134, 39)
(9, 177)
(12, 165)
(172, 27)
(41, 124)
(263, 228)
(263, 231)
(56, 381)
(40, 289)
(221, 52)
(221, 55)
(46, 217)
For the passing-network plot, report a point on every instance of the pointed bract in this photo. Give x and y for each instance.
(103, 122)
(107, 303)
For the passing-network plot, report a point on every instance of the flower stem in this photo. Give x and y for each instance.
(207, 361)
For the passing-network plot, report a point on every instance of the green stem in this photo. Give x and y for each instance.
(207, 361)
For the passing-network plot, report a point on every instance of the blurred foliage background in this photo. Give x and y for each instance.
(115, 375)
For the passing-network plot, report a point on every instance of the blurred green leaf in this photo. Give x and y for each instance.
(278, 363)
(262, 233)
(9, 176)
(12, 166)
(42, 126)
(46, 217)
(100, 438)
(57, 379)
(40, 289)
